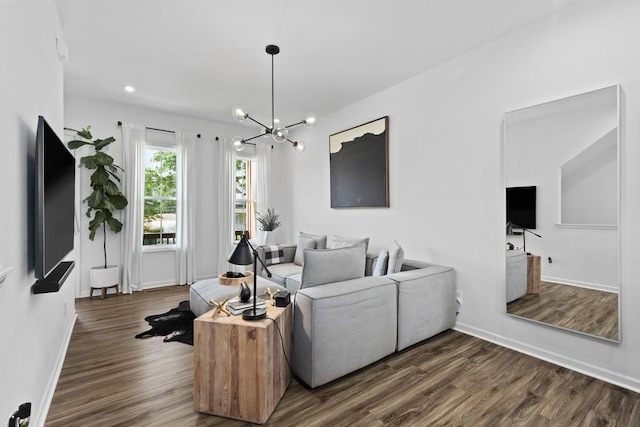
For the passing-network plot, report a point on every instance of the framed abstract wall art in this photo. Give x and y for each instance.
(359, 165)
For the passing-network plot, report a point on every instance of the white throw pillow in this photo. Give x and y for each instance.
(396, 258)
(343, 242)
(381, 263)
(321, 240)
(303, 243)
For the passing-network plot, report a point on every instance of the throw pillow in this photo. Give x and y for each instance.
(396, 258)
(321, 240)
(343, 242)
(303, 243)
(273, 254)
(381, 264)
(323, 266)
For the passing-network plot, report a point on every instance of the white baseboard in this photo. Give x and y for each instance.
(587, 285)
(606, 375)
(40, 416)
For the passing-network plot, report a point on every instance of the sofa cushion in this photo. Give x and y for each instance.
(280, 272)
(381, 264)
(303, 243)
(396, 258)
(321, 240)
(293, 282)
(332, 265)
(343, 242)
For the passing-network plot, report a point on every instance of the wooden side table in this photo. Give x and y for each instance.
(533, 274)
(240, 370)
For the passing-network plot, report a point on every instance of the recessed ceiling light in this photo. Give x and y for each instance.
(129, 88)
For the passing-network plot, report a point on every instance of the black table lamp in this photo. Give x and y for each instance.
(245, 254)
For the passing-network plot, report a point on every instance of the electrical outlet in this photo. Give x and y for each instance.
(65, 308)
(549, 261)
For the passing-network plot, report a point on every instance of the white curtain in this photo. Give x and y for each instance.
(263, 180)
(226, 201)
(185, 228)
(133, 139)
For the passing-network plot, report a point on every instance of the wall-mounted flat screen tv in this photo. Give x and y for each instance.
(521, 207)
(54, 201)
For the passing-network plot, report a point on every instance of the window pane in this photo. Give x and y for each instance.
(159, 222)
(160, 173)
(240, 220)
(241, 179)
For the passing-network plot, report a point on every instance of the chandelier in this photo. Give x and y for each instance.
(278, 133)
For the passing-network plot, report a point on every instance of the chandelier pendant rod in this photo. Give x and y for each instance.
(273, 117)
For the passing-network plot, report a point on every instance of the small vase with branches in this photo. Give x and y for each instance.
(268, 222)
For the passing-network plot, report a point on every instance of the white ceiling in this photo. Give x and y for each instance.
(202, 57)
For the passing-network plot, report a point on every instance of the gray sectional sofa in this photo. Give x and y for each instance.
(346, 319)
(516, 275)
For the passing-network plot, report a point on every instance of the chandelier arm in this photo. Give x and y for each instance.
(255, 121)
(295, 124)
(253, 137)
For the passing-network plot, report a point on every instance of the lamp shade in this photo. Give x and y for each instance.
(242, 254)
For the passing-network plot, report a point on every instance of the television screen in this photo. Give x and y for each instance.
(521, 207)
(55, 198)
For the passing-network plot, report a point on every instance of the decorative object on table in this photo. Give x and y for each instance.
(105, 199)
(267, 223)
(235, 278)
(282, 299)
(245, 254)
(176, 324)
(278, 133)
(238, 307)
(359, 165)
(219, 307)
(245, 292)
(271, 294)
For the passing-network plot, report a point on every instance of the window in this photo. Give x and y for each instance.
(160, 202)
(245, 203)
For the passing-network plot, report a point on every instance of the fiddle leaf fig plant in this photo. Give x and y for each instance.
(106, 197)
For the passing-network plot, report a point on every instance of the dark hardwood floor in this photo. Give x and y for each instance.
(586, 310)
(110, 378)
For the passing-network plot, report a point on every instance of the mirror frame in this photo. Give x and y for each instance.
(559, 223)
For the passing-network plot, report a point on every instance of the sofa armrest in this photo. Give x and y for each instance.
(341, 327)
(426, 303)
(289, 252)
(412, 264)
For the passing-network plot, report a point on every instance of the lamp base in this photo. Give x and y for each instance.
(257, 314)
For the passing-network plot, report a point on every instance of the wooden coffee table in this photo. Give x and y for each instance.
(240, 370)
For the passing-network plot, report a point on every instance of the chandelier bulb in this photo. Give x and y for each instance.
(309, 120)
(280, 134)
(238, 143)
(240, 113)
(299, 146)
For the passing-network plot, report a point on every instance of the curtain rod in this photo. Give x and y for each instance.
(159, 130)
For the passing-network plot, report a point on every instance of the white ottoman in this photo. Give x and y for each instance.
(203, 291)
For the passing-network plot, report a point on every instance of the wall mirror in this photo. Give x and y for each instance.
(562, 181)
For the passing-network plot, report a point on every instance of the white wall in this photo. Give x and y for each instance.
(36, 327)
(159, 268)
(446, 171)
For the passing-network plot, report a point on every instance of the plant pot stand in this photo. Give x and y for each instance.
(101, 279)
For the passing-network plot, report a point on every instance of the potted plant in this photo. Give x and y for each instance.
(268, 222)
(104, 200)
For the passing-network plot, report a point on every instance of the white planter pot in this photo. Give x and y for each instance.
(101, 278)
(264, 237)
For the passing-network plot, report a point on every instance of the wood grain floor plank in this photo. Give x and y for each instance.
(111, 379)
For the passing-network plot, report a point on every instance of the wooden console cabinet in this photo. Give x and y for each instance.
(533, 274)
(240, 370)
